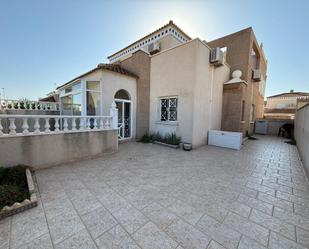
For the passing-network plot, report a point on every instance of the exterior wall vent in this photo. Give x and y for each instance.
(216, 56)
(154, 48)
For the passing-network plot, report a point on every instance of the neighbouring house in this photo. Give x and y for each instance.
(243, 101)
(167, 82)
(285, 105)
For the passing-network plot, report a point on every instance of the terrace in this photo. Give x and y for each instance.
(148, 197)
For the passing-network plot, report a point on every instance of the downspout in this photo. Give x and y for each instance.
(211, 97)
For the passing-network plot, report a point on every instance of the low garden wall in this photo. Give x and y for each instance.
(39, 151)
(302, 134)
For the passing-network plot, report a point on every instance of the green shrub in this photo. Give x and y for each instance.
(291, 142)
(172, 138)
(13, 185)
(156, 136)
(9, 194)
(250, 137)
(146, 138)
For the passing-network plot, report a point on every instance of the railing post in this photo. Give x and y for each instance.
(25, 126)
(12, 126)
(1, 128)
(36, 126)
(47, 130)
(114, 114)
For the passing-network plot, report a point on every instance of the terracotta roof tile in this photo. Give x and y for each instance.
(110, 67)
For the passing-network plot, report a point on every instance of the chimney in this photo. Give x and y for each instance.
(292, 90)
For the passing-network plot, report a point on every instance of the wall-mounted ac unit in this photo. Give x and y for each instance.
(154, 47)
(256, 74)
(216, 56)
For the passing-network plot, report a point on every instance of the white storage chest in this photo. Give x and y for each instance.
(227, 139)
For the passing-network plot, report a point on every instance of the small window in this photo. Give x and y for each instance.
(168, 109)
(68, 89)
(93, 85)
(252, 114)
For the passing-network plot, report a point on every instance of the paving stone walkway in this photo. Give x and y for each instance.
(151, 197)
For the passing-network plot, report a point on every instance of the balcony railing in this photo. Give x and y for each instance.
(11, 104)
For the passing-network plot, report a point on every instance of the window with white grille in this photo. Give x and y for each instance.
(168, 109)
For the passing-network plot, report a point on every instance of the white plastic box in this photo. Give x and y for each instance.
(226, 139)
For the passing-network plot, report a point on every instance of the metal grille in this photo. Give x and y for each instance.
(168, 110)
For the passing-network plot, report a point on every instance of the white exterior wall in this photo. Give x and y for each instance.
(301, 135)
(184, 71)
(112, 82)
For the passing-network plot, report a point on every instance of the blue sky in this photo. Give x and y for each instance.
(46, 43)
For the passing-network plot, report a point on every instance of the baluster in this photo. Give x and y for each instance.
(1, 128)
(95, 124)
(73, 124)
(108, 123)
(101, 123)
(25, 126)
(65, 125)
(18, 105)
(12, 126)
(36, 126)
(35, 105)
(57, 125)
(82, 124)
(47, 130)
(87, 123)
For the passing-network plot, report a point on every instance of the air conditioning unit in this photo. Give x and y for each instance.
(256, 74)
(216, 56)
(154, 47)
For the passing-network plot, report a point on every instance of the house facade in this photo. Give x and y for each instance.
(167, 82)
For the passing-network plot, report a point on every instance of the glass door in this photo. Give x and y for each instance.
(124, 118)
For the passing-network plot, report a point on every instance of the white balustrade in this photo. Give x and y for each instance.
(10, 104)
(25, 125)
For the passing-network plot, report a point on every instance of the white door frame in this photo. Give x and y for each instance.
(122, 101)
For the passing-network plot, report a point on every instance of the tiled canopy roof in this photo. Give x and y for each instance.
(110, 67)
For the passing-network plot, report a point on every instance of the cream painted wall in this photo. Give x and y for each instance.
(208, 94)
(172, 74)
(184, 71)
(111, 82)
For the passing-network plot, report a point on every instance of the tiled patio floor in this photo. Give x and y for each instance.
(148, 196)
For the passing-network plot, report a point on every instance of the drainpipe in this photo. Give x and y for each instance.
(211, 97)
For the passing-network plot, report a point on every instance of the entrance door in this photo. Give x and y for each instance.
(124, 118)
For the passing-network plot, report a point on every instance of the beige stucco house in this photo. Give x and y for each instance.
(164, 82)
